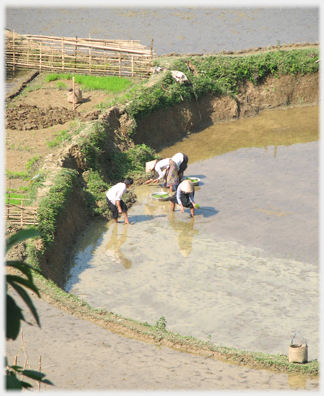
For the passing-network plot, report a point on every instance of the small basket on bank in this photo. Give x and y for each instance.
(298, 353)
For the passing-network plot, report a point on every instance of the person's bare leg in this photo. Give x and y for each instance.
(172, 206)
(192, 211)
(126, 218)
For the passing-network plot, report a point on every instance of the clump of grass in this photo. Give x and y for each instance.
(32, 164)
(92, 83)
(60, 85)
(60, 138)
(17, 175)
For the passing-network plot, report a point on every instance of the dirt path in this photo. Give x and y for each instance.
(79, 355)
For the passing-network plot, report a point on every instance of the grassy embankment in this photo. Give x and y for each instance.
(218, 75)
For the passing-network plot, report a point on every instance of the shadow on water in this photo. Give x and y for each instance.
(142, 218)
(282, 127)
(207, 211)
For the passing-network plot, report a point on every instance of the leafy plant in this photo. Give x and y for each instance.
(32, 163)
(161, 323)
(60, 85)
(60, 138)
(19, 283)
(14, 314)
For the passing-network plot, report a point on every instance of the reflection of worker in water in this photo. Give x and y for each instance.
(113, 246)
(185, 231)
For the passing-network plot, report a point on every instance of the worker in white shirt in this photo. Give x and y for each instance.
(181, 161)
(168, 169)
(114, 199)
(184, 197)
(161, 168)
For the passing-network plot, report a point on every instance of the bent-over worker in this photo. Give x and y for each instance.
(114, 199)
(181, 161)
(184, 197)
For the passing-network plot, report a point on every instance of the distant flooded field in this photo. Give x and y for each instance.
(173, 29)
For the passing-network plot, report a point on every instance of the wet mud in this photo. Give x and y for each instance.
(243, 272)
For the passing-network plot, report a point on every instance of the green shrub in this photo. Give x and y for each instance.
(219, 74)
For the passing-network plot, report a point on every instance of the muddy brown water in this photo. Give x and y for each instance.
(244, 271)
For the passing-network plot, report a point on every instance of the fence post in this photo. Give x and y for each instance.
(90, 57)
(62, 55)
(8, 209)
(152, 53)
(75, 53)
(27, 53)
(52, 54)
(119, 60)
(13, 50)
(22, 214)
(132, 59)
(40, 57)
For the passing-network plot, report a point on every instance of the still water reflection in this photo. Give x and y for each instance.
(244, 271)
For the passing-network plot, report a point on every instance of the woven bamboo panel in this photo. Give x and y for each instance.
(21, 215)
(78, 55)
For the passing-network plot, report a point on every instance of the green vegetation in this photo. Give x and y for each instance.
(17, 175)
(32, 164)
(160, 195)
(107, 83)
(121, 165)
(192, 179)
(14, 314)
(132, 162)
(60, 85)
(31, 167)
(52, 206)
(15, 199)
(219, 75)
(60, 138)
(95, 192)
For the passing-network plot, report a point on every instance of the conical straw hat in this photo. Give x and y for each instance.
(187, 186)
(150, 166)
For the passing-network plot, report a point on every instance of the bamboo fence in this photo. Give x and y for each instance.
(20, 214)
(78, 55)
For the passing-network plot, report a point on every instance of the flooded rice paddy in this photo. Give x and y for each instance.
(173, 29)
(243, 272)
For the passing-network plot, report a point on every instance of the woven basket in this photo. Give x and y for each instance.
(298, 353)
